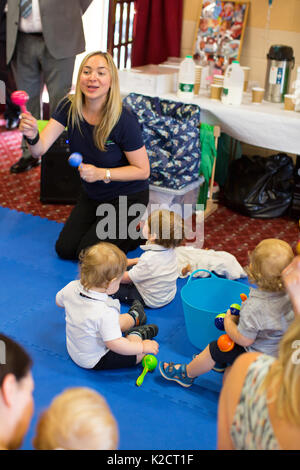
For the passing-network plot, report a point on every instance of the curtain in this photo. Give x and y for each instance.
(157, 31)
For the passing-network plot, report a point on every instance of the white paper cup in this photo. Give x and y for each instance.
(257, 95)
(289, 102)
(246, 77)
(218, 79)
(215, 91)
(198, 71)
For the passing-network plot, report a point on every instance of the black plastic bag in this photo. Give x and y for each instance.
(260, 187)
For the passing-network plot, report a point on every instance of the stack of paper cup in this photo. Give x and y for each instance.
(257, 95)
(198, 70)
(246, 77)
(289, 102)
(218, 80)
(216, 87)
(216, 91)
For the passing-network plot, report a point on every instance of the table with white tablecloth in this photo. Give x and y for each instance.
(265, 125)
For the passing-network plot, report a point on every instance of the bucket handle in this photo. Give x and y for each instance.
(197, 270)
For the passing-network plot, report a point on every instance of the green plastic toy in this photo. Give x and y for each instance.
(149, 363)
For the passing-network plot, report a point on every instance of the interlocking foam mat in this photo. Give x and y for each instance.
(157, 415)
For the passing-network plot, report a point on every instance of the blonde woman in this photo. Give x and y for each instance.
(263, 320)
(115, 162)
(259, 407)
(77, 419)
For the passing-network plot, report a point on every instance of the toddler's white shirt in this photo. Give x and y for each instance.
(91, 319)
(155, 275)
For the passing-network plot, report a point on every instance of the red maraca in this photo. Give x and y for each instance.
(20, 98)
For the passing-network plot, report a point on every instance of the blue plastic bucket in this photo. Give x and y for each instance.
(203, 299)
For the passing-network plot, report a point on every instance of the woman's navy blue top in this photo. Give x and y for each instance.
(125, 136)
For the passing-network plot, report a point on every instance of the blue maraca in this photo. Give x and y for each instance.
(75, 159)
(234, 310)
(219, 321)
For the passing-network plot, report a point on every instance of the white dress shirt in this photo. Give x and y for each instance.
(33, 23)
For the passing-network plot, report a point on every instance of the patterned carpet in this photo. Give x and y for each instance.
(22, 191)
(224, 229)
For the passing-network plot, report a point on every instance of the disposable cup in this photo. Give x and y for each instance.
(257, 95)
(246, 77)
(215, 91)
(218, 79)
(198, 70)
(289, 104)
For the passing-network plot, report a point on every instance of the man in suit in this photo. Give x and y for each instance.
(12, 111)
(42, 41)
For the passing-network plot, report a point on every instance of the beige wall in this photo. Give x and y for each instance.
(284, 28)
(191, 11)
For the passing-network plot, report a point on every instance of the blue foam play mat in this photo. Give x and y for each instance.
(157, 415)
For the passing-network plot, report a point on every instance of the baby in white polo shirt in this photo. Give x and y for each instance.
(94, 324)
(152, 279)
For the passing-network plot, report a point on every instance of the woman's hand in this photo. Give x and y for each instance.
(91, 173)
(291, 281)
(28, 125)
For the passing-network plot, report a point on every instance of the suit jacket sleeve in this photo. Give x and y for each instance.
(62, 27)
(61, 23)
(85, 4)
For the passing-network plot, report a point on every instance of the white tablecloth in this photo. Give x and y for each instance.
(265, 125)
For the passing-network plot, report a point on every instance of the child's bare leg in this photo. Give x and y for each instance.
(201, 364)
(126, 321)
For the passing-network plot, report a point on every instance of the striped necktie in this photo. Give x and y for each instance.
(25, 8)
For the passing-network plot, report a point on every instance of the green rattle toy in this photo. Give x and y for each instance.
(149, 362)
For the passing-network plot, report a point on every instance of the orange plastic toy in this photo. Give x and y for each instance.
(225, 343)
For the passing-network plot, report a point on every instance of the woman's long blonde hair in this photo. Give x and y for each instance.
(283, 379)
(110, 112)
